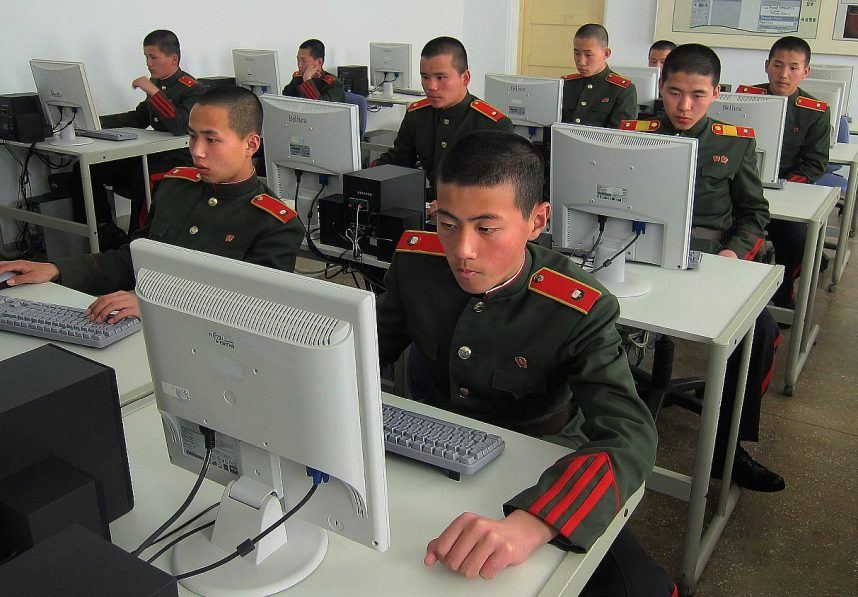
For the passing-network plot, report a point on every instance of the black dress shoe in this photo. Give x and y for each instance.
(750, 474)
(111, 236)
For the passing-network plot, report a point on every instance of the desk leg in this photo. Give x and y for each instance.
(88, 204)
(846, 227)
(146, 187)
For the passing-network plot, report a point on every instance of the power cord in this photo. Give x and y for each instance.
(602, 221)
(610, 260)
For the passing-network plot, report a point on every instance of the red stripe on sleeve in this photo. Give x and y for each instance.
(162, 105)
(588, 504)
(552, 492)
(308, 90)
(754, 250)
(560, 508)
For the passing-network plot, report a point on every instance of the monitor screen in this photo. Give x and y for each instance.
(609, 174)
(836, 72)
(765, 114)
(832, 93)
(528, 101)
(257, 70)
(66, 99)
(390, 63)
(645, 80)
(284, 369)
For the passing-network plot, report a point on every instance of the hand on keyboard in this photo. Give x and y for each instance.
(29, 272)
(114, 307)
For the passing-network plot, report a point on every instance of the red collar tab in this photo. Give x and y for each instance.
(419, 241)
(571, 76)
(418, 104)
(185, 173)
(187, 81)
(274, 206)
(812, 104)
(728, 130)
(487, 110)
(644, 126)
(563, 289)
(751, 89)
(617, 80)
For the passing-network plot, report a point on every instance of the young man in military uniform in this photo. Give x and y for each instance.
(170, 95)
(219, 206)
(311, 80)
(804, 155)
(658, 51)
(449, 111)
(730, 215)
(596, 95)
(515, 334)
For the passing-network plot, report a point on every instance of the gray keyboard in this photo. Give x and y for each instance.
(58, 322)
(418, 92)
(454, 448)
(109, 134)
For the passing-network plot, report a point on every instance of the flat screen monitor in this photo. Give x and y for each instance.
(530, 102)
(832, 93)
(836, 72)
(284, 369)
(66, 100)
(318, 141)
(765, 114)
(257, 70)
(645, 80)
(390, 63)
(641, 185)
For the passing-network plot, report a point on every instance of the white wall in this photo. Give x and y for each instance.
(491, 38)
(631, 23)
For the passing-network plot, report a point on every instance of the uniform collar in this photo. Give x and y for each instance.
(792, 97)
(695, 131)
(236, 190)
(171, 79)
(459, 109)
(514, 284)
(602, 74)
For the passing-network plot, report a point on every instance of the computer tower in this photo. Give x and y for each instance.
(212, 82)
(355, 78)
(21, 118)
(333, 221)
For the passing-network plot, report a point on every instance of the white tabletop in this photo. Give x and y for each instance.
(147, 141)
(127, 356)
(396, 98)
(843, 153)
(799, 202)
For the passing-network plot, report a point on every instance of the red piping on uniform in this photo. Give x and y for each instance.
(162, 105)
(560, 508)
(552, 492)
(768, 377)
(588, 504)
(753, 252)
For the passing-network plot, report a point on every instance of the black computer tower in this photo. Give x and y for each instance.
(219, 81)
(333, 221)
(22, 119)
(355, 78)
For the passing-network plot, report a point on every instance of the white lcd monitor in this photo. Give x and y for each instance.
(832, 93)
(765, 114)
(66, 100)
(284, 369)
(257, 70)
(316, 141)
(836, 72)
(638, 184)
(645, 80)
(390, 63)
(530, 102)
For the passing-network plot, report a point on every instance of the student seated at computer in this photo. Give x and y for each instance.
(730, 214)
(658, 51)
(596, 95)
(218, 206)
(448, 112)
(804, 156)
(311, 80)
(517, 335)
(170, 95)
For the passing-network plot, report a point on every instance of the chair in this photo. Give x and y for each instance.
(360, 102)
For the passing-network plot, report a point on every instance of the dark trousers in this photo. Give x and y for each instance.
(788, 240)
(628, 571)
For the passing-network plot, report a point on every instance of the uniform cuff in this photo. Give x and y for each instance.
(797, 178)
(162, 105)
(308, 90)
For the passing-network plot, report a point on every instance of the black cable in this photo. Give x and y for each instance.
(592, 251)
(249, 545)
(69, 123)
(610, 260)
(190, 521)
(178, 539)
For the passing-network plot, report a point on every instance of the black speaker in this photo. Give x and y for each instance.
(390, 226)
(333, 221)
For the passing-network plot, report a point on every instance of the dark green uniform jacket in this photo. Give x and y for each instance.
(601, 100)
(540, 352)
(426, 132)
(323, 87)
(804, 156)
(241, 220)
(728, 195)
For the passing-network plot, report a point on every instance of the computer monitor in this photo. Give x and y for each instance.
(766, 115)
(257, 70)
(836, 72)
(832, 93)
(284, 369)
(66, 100)
(645, 80)
(530, 102)
(390, 63)
(634, 181)
(318, 139)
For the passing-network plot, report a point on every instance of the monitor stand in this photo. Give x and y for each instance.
(68, 138)
(615, 278)
(282, 559)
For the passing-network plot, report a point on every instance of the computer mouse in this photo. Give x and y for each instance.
(5, 276)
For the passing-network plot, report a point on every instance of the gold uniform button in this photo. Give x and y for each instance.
(194, 230)
(589, 85)
(155, 119)
(212, 201)
(464, 392)
(479, 307)
(164, 87)
(199, 175)
(443, 145)
(583, 103)
(577, 121)
(464, 353)
(446, 121)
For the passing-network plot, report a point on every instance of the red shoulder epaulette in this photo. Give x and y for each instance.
(645, 126)
(564, 290)
(571, 76)
(487, 110)
(728, 130)
(274, 206)
(617, 80)
(418, 241)
(806, 102)
(297, 73)
(185, 173)
(418, 104)
(751, 89)
(329, 78)
(187, 81)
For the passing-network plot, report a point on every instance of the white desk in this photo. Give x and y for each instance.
(422, 502)
(127, 357)
(401, 99)
(147, 143)
(810, 205)
(847, 155)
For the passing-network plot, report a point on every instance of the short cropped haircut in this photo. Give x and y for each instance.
(317, 48)
(791, 44)
(593, 31)
(244, 109)
(494, 158)
(693, 59)
(164, 40)
(663, 44)
(443, 46)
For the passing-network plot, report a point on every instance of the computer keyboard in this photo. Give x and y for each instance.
(58, 322)
(454, 448)
(410, 91)
(109, 134)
